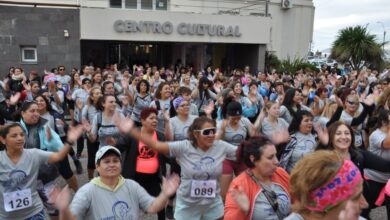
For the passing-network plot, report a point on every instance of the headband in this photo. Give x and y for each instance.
(177, 101)
(337, 190)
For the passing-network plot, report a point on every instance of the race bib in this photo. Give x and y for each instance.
(203, 188)
(17, 200)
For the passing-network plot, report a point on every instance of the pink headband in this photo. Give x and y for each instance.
(338, 189)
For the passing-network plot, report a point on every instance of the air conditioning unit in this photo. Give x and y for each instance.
(286, 4)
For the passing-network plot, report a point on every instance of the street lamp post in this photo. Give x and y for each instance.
(384, 33)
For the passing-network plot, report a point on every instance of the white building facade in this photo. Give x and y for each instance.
(221, 33)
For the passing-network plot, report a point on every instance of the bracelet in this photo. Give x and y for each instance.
(70, 143)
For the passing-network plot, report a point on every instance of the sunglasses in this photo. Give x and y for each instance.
(352, 103)
(61, 69)
(87, 82)
(207, 131)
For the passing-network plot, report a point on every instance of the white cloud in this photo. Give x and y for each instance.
(333, 15)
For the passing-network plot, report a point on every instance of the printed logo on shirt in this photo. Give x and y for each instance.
(146, 152)
(205, 164)
(237, 138)
(16, 178)
(121, 211)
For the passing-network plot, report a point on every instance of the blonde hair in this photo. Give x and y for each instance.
(311, 173)
(329, 110)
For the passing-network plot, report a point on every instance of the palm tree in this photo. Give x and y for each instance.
(354, 45)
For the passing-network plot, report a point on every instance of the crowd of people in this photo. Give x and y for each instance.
(205, 145)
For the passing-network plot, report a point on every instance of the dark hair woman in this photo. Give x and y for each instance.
(203, 95)
(292, 104)
(40, 135)
(262, 191)
(200, 159)
(140, 100)
(142, 163)
(19, 166)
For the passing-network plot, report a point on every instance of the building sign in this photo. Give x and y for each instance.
(182, 28)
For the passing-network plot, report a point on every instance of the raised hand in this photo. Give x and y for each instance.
(14, 98)
(369, 100)
(48, 133)
(209, 108)
(280, 136)
(240, 198)
(124, 125)
(60, 198)
(75, 132)
(170, 185)
(125, 84)
(322, 133)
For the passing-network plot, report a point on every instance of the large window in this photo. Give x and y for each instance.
(116, 3)
(140, 4)
(131, 4)
(29, 54)
(147, 4)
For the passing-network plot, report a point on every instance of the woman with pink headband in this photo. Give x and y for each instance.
(325, 186)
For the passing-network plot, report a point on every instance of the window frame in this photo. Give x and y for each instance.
(23, 49)
(139, 6)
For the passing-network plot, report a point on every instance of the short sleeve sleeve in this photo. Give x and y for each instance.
(376, 140)
(81, 203)
(178, 148)
(230, 150)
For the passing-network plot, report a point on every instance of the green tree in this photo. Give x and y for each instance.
(355, 45)
(292, 65)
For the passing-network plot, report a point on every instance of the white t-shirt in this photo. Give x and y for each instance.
(375, 146)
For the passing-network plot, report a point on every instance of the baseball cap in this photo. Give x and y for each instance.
(103, 150)
(234, 109)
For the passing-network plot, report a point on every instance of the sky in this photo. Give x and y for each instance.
(333, 15)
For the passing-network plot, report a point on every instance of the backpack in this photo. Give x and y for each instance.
(99, 123)
(172, 112)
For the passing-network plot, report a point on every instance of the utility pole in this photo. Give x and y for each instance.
(384, 34)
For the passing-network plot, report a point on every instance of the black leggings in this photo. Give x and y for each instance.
(92, 148)
(371, 192)
(80, 145)
(64, 168)
(151, 183)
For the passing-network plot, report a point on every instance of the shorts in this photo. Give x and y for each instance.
(230, 167)
(44, 191)
(211, 211)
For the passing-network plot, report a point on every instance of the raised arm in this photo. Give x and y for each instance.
(127, 126)
(168, 188)
(73, 134)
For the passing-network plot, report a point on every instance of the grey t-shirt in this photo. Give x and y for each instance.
(164, 105)
(235, 136)
(375, 146)
(21, 176)
(199, 165)
(294, 216)
(179, 128)
(139, 104)
(306, 143)
(93, 202)
(263, 209)
(285, 113)
(107, 128)
(267, 129)
(89, 112)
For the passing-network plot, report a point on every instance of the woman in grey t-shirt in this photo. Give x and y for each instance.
(19, 198)
(200, 159)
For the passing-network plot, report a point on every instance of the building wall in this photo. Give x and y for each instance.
(43, 28)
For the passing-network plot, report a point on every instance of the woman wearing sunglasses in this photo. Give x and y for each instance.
(262, 191)
(326, 186)
(200, 158)
(353, 116)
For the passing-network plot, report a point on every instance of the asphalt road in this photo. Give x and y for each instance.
(376, 214)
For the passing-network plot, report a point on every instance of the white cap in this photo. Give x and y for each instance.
(103, 150)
